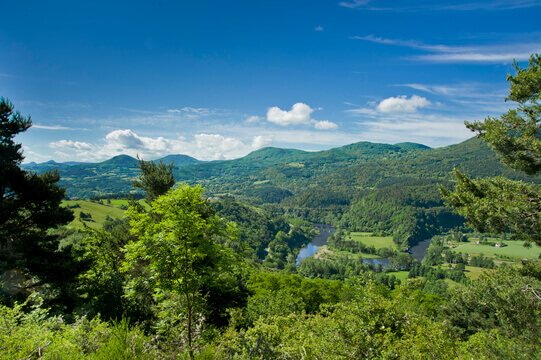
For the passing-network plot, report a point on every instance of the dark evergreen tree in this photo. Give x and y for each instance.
(30, 206)
(499, 204)
(155, 178)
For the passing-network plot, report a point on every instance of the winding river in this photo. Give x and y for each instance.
(418, 251)
(321, 239)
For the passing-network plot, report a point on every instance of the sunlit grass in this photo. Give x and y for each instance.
(513, 249)
(377, 241)
(98, 211)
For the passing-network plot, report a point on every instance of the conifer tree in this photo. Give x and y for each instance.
(155, 179)
(499, 204)
(29, 207)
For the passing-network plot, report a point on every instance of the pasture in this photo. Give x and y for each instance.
(514, 249)
(377, 241)
(97, 211)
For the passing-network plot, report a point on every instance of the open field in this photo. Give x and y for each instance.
(452, 284)
(473, 272)
(513, 249)
(98, 212)
(400, 275)
(377, 241)
(324, 253)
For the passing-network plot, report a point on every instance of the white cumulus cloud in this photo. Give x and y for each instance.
(401, 104)
(299, 114)
(325, 125)
(261, 141)
(217, 142)
(126, 139)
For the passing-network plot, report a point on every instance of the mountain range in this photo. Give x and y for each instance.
(362, 164)
(382, 188)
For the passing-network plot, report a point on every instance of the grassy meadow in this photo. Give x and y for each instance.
(377, 241)
(514, 249)
(366, 238)
(97, 210)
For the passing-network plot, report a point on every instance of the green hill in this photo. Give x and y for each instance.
(380, 188)
(179, 160)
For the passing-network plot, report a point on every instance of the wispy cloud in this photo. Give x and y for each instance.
(355, 4)
(475, 97)
(504, 53)
(137, 110)
(71, 145)
(52, 127)
(429, 130)
(253, 119)
(469, 90)
(426, 5)
(430, 122)
(319, 28)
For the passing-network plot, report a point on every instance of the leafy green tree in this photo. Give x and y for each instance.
(499, 204)
(102, 283)
(372, 325)
(155, 178)
(29, 207)
(180, 251)
(506, 299)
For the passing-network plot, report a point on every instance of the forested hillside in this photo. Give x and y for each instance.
(386, 189)
(185, 275)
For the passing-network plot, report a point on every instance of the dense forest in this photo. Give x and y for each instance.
(201, 262)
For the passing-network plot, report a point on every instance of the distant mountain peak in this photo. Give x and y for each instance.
(412, 146)
(179, 160)
(120, 160)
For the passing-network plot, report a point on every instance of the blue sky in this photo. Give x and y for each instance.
(219, 79)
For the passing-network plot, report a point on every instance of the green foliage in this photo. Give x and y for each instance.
(179, 246)
(411, 210)
(29, 207)
(258, 228)
(283, 294)
(85, 216)
(499, 204)
(505, 299)
(371, 325)
(482, 262)
(34, 334)
(268, 194)
(102, 284)
(154, 179)
(515, 136)
(488, 345)
(99, 213)
(255, 228)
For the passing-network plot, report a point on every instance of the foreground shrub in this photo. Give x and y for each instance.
(33, 334)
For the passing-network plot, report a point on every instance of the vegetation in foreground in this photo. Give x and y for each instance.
(175, 280)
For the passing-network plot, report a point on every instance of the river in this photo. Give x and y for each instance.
(419, 251)
(321, 239)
